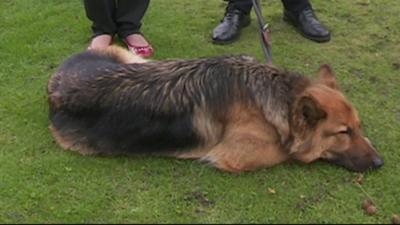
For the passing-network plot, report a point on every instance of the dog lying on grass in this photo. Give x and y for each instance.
(230, 111)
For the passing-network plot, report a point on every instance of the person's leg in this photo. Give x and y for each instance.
(129, 21)
(101, 13)
(237, 16)
(301, 14)
(296, 6)
(129, 16)
(243, 5)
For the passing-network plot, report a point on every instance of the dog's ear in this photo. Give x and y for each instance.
(309, 112)
(327, 77)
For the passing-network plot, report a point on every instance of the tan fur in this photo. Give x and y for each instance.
(195, 153)
(68, 144)
(207, 127)
(249, 142)
(122, 55)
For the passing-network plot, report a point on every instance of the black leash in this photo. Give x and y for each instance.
(264, 30)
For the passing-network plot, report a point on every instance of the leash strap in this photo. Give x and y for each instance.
(264, 32)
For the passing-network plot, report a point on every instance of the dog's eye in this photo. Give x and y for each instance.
(347, 131)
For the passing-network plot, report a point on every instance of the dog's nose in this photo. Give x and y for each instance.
(378, 162)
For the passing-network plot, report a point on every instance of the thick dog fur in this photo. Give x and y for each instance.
(231, 111)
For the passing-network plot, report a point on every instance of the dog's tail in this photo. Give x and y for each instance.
(121, 55)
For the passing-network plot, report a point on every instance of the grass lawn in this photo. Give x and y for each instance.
(40, 183)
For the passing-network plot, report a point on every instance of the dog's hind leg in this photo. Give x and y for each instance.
(70, 143)
(249, 142)
(245, 152)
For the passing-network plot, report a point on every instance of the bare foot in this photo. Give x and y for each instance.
(137, 40)
(100, 42)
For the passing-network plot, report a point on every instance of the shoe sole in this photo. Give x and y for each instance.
(219, 42)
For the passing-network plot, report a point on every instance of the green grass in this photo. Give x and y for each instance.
(40, 183)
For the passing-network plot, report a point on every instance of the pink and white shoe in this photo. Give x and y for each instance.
(142, 51)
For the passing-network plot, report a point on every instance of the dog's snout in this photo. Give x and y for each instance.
(378, 162)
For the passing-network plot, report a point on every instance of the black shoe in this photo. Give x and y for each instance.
(229, 28)
(308, 25)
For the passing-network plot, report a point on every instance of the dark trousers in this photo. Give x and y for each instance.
(116, 16)
(294, 6)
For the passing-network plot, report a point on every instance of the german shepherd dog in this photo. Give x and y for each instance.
(231, 111)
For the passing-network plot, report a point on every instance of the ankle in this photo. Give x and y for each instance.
(100, 41)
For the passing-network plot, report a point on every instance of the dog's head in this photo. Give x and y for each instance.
(326, 126)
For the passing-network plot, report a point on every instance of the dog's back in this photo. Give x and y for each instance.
(93, 108)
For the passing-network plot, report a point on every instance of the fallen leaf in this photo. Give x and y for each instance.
(359, 179)
(271, 190)
(395, 219)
